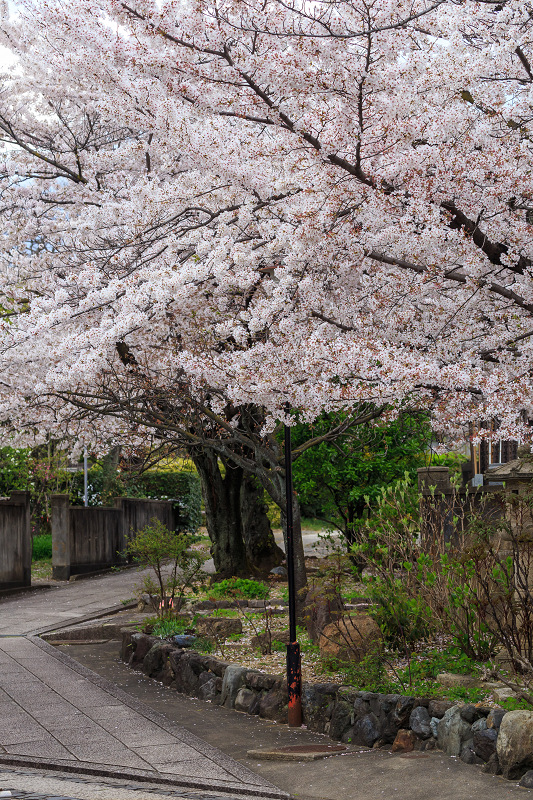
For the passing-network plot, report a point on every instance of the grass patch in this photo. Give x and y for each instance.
(224, 612)
(168, 627)
(237, 588)
(512, 704)
(309, 524)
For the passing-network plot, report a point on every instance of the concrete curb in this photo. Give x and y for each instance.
(69, 623)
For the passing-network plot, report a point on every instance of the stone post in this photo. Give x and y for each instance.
(434, 476)
(60, 537)
(23, 499)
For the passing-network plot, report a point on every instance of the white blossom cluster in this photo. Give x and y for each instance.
(272, 203)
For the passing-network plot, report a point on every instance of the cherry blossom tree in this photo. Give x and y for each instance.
(225, 210)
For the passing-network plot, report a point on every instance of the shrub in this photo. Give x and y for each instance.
(169, 627)
(467, 587)
(174, 567)
(239, 587)
(369, 673)
(41, 547)
(403, 619)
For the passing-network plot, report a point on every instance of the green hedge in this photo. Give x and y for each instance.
(41, 547)
(183, 487)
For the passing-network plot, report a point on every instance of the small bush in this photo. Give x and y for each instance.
(169, 627)
(239, 587)
(175, 567)
(14, 470)
(42, 547)
(369, 673)
(402, 618)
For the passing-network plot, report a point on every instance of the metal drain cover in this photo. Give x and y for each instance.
(298, 752)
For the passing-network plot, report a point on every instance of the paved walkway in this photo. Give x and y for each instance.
(36, 610)
(56, 713)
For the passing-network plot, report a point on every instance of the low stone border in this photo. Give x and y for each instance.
(501, 742)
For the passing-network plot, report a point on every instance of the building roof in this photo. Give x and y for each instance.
(517, 470)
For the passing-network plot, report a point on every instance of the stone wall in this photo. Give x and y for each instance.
(89, 539)
(501, 742)
(15, 541)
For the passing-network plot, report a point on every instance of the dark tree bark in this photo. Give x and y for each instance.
(222, 499)
(261, 549)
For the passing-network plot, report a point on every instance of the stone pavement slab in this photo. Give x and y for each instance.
(56, 712)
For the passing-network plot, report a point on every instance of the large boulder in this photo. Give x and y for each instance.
(247, 701)
(274, 704)
(261, 680)
(318, 702)
(403, 710)
(155, 658)
(453, 732)
(471, 713)
(234, 678)
(515, 743)
(350, 638)
(140, 644)
(207, 689)
(187, 678)
(366, 730)
(494, 719)
(485, 743)
(322, 606)
(438, 708)
(218, 627)
(341, 719)
(404, 742)
(420, 722)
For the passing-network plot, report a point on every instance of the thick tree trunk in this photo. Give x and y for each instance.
(261, 549)
(222, 499)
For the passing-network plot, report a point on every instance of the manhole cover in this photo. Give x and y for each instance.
(313, 748)
(298, 752)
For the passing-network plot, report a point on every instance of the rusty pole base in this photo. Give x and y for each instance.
(294, 685)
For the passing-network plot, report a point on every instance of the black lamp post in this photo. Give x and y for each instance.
(294, 669)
